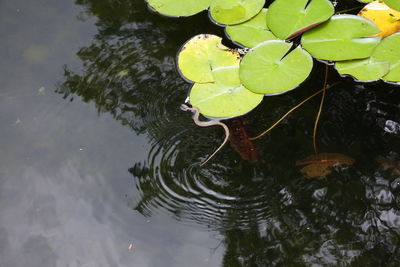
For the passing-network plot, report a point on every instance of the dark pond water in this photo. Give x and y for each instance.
(100, 167)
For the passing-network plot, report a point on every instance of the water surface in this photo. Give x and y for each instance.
(96, 155)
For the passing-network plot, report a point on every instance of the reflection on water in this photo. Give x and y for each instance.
(65, 188)
(267, 213)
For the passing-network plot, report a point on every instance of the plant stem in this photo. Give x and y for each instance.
(347, 10)
(319, 111)
(291, 110)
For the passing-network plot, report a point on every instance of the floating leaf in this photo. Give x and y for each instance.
(389, 50)
(269, 69)
(179, 8)
(363, 69)
(384, 62)
(343, 37)
(251, 32)
(395, 4)
(320, 165)
(287, 18)
(387, 19)
(225, 97)
(234, 11)
(203, 53)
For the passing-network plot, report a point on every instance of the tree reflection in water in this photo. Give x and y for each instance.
(267, 212)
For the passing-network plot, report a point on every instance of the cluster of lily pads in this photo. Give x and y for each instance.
(227, 84)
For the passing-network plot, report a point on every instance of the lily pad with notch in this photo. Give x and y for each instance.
(179, 8)
(226, 97)
(288, 18)
(230, 12)
(343, 37)
(203, 53)
(251, 32)
(271, 68)
(384, 62)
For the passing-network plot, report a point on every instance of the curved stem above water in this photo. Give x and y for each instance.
(196, 120)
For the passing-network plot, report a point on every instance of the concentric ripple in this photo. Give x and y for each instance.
(172, 181)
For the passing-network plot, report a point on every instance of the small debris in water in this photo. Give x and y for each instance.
(42, 90)
(122, 73)
(130, 247)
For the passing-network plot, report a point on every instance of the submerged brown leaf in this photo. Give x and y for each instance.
(320, 165)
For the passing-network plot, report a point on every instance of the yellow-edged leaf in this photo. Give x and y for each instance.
(387, 19)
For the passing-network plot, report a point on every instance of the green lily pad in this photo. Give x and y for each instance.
(366, 69)
(389, 50)
(384, 62)
(225, 97)
(288, 18)
(343, 37)
(395, 4)
(269, 69)
(230, 12)
(251, 32)
(179, 8)
(203, 53)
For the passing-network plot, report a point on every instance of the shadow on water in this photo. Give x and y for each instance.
(267, 212)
